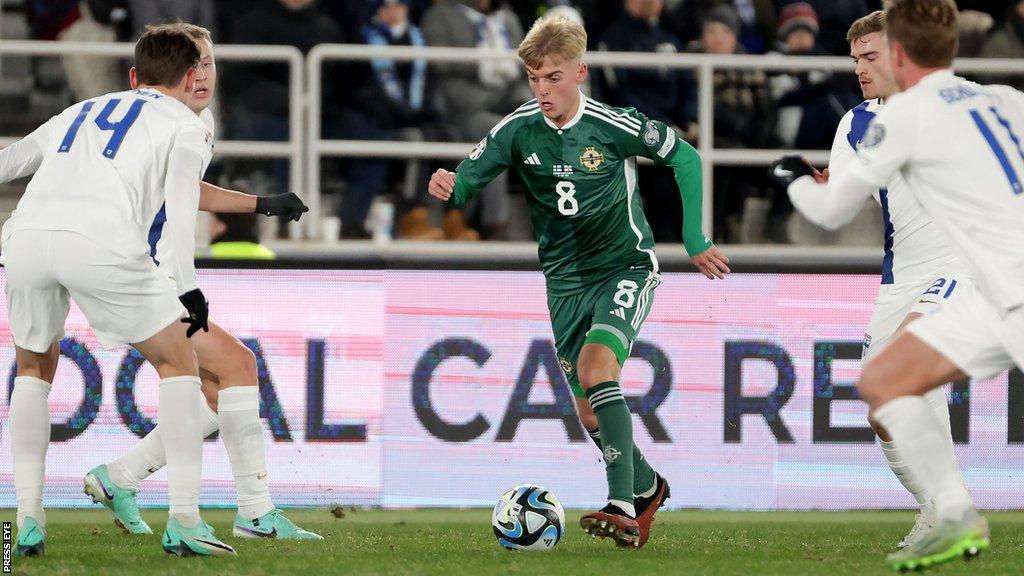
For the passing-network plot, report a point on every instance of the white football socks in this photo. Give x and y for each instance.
(183, 443)
(29, 418)
(902, 471)
(914, 427)
(238, 409)
(148, 455)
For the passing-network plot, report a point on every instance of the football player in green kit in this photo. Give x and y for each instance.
(577, 158)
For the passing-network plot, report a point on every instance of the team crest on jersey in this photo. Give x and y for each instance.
(592, 158)
(478, 150)
(651, 134)
(566, 366)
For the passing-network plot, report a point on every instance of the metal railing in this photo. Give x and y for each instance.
(292, 150)
(305, 147)
(703, 64)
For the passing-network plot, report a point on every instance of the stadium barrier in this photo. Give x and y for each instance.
(305, 147)
(291, 150)
(409, 387)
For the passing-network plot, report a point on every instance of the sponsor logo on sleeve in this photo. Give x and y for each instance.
(874, 136)
(478, 150)
(651, 135)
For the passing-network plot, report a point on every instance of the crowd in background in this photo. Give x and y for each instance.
(413, 101)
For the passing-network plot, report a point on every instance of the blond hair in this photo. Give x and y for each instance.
(193, 31)
(874, 22)
(927, 30)
(556, 37)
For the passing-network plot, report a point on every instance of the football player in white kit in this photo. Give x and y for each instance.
(958, 146)
(226, 366)
(920, 271)
(103, 168)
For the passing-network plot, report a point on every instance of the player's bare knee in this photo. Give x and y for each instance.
(243, 364)
(871, 387)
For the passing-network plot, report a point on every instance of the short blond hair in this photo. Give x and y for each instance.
(874, 22)
(193, 31)
(556, 37)
(927, 29)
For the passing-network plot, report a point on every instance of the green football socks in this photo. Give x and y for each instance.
(616, 427)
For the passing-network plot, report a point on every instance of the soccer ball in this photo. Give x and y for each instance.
(528, 517)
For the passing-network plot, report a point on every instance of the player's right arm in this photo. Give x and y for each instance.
(187, 161)
(24, 156)
(816, 207)
(885, 149)
(491, 157)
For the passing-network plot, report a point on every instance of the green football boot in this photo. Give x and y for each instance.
(118, 500)
(31, 539)
(273, 524)
(946, 541)
(198, 541)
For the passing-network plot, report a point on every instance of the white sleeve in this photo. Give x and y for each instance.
(842, 152)
(888, 143)
(185, 166)
(24, 156)
(834, 204)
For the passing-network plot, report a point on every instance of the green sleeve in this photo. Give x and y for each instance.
(490, 158)
(659, 142)
(685, 162)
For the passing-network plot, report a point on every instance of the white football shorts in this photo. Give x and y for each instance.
(125, 299)
(972, 334)
(895, 301)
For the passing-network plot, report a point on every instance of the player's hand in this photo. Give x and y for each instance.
(712, 263)
(442, 184)
(788, 168)
(288, 205)
(820, 177)
(198, 311)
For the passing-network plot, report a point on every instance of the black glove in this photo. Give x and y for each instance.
(287, 205)
(198, 311)
(787, 169)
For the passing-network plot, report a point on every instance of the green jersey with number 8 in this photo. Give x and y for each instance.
(582, 187)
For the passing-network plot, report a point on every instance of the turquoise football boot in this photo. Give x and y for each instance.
(198, 541)
(120, 501)
(273, 524)
(31, 539)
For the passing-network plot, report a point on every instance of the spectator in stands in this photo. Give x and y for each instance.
(835, 17)
(660, 93)
(236, 237)
(75, 21)
(477, 95)
(973, 27)
(757, 21)
(1007, 41)
(260, 98)
(401, 102)
(744, 118)
(145, 12)
(810, 103)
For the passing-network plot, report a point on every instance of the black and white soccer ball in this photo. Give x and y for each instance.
(528, 517)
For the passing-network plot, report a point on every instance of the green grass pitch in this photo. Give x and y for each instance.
(454, 542)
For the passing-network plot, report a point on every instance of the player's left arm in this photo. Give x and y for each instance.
(214, 198)
(24, 157)
(660, 143)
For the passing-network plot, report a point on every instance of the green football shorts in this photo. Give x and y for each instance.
(609, 313)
